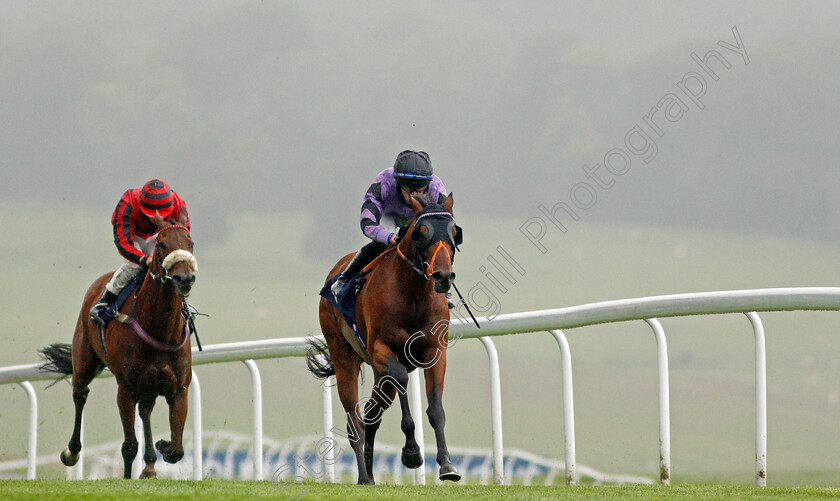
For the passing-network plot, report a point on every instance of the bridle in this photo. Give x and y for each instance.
(172, 258)
(443, 222)
(419, 264)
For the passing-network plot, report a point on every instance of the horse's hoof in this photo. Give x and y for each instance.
(68, 458)
(148, 473)
(167, 451)
(448, 472)
(367, 481)
(411, 458)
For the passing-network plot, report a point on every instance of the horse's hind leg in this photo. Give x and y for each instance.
(347, 382)
(126, 403)
(149, 454)
(86, 365)
(382, 397)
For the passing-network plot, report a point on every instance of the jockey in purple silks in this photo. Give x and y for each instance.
(386, 212)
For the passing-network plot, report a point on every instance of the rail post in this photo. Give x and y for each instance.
(568, 405)
(664, 402)
(495, 411)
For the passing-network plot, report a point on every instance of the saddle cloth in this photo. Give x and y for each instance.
(347, 301)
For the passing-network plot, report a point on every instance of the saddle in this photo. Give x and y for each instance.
(346, 304)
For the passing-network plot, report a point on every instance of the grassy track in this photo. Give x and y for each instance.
(223, 489)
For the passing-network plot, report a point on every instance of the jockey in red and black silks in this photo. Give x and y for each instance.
(134, 234)
(386, 209)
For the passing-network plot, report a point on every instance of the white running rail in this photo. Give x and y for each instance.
(553, 321)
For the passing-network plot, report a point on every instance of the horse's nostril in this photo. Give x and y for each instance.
(442, 277)
(183, 281)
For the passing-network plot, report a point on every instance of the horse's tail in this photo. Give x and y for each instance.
(58, 357)
(318, 359)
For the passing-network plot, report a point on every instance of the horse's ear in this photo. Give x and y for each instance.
(183, 217)
(158, 221)
(416, 205)
(448, 203)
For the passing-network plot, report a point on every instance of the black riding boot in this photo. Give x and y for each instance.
(362, 258)
(107, 300)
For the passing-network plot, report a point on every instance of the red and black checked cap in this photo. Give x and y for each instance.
(156, 196)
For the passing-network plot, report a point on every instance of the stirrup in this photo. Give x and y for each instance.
(337, 286)
(104, 311)
(96, 313)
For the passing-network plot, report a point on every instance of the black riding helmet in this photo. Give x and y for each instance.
(413, 169)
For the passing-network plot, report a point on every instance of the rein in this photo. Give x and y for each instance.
(141, 333)
(411, 263)
(131, 321)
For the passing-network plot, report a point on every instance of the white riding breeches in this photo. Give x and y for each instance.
(130, 269)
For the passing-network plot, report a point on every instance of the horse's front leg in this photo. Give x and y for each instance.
(437, 418)
(173, 450)
(149, 454)
(395, 379)
(126, 403)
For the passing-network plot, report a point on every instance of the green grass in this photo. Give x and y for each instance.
(260, 283)
(221, 489)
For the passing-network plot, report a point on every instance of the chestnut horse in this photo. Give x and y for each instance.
(402, 314)
(144, 369)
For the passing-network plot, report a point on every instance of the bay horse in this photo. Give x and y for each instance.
(143, 369)
(402, 315)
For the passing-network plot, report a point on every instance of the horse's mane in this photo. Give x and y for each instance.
(424, 198)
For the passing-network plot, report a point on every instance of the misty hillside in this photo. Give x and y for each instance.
(294, 108)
